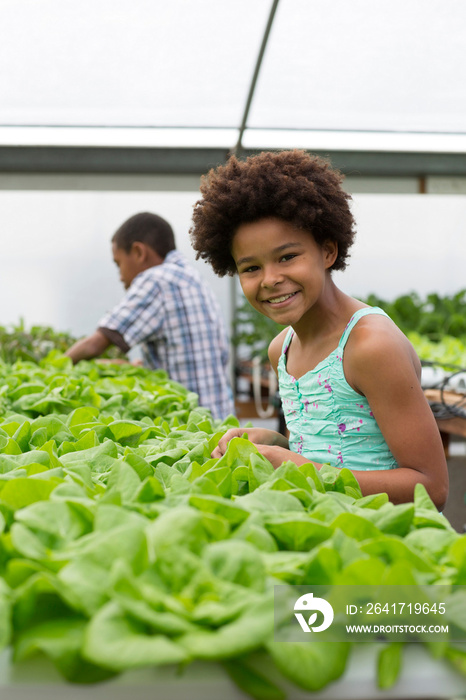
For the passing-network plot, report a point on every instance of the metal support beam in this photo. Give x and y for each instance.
(65, 159)
(197, 161)
(384, 163)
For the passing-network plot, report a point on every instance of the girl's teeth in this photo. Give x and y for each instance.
(277, 300)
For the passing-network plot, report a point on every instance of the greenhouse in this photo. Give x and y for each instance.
(233, 350)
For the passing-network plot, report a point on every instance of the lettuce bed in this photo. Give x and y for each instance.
(123, 544)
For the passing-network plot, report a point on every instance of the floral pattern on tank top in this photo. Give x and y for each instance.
(329, 421)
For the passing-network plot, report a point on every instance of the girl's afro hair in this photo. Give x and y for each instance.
(290, 185)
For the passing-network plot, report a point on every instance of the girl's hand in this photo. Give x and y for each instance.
(277, 455)
(271, 444)
(259, 436)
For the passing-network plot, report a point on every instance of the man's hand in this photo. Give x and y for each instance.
(113, 361)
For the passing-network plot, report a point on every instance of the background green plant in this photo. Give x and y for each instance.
(436, 325)
(19, 343)
(433, 316)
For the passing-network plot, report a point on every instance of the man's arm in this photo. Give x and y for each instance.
(88, 348)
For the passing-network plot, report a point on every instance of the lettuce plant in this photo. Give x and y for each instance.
(123, 544)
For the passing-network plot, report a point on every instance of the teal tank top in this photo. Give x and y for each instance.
(329, 421)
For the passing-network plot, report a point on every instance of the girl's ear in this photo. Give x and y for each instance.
(330, 249)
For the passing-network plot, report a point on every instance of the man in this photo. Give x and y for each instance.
(168, 310)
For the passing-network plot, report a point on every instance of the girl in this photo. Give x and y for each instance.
(349, 380)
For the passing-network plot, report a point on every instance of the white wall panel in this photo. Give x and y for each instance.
(56, 267)
(407, 242)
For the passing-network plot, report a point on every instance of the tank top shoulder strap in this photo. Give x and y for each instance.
(355, 318)
(287, 341)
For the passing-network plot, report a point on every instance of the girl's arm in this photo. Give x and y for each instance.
(380, 363)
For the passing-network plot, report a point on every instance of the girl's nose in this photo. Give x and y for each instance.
(272, 276)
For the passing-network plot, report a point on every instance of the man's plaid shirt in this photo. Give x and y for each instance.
(175, 317)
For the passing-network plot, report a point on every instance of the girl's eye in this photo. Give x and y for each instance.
(251, 268)
(288, 256)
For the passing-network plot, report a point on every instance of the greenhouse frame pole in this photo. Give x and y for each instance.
(239, 145)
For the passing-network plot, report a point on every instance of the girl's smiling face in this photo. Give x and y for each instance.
(281, 268)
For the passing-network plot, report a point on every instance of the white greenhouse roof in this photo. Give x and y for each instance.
(336, 75)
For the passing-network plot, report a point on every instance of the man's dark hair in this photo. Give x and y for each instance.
(293, 186)
(146, 228)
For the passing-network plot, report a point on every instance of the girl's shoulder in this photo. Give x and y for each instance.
(376, 338)
(376, 333)
(276, 347)
(375, 328)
